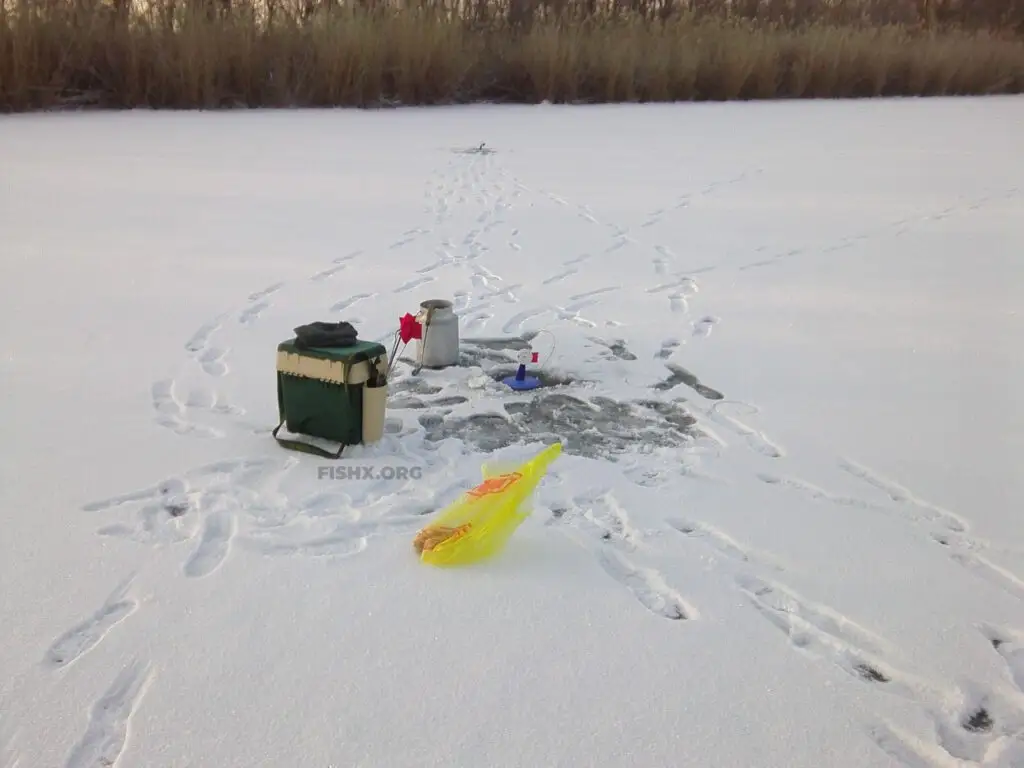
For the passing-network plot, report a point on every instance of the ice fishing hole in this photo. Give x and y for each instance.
(546, 378)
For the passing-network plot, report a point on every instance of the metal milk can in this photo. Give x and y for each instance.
(439, 347)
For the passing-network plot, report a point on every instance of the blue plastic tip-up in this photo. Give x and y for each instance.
(521, 381)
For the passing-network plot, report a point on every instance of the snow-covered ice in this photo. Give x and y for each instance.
(785, 533)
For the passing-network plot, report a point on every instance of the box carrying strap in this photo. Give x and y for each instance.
(299, 445)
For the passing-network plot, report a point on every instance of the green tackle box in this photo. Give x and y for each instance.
(333, 393)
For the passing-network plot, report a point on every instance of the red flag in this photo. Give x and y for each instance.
(409, 328)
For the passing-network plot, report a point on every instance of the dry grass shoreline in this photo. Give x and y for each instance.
(226, 53)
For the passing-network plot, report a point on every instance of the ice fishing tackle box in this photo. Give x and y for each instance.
(337, 393)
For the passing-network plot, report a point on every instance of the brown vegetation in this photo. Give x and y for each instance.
(218, 53)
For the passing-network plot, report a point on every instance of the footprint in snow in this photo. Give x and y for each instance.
(106, 733)
(826, 635)
(668, 347)
(270, 290)
(213, 362)
(199, 339)
(252, 313)
(83, 637)
(722, 543)
(647, 586)
(213, 547)
(702, 328)
(414, 283)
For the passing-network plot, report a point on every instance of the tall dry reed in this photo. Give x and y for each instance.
(225, 53)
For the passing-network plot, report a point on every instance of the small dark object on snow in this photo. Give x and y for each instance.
(870, 673)
(176, 510)
(483, 149)
(980, 721)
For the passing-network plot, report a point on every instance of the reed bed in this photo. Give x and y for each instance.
(188, 54)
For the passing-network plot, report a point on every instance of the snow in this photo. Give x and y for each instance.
(840, 527)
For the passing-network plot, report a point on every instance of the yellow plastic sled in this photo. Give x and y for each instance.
(479, 523)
